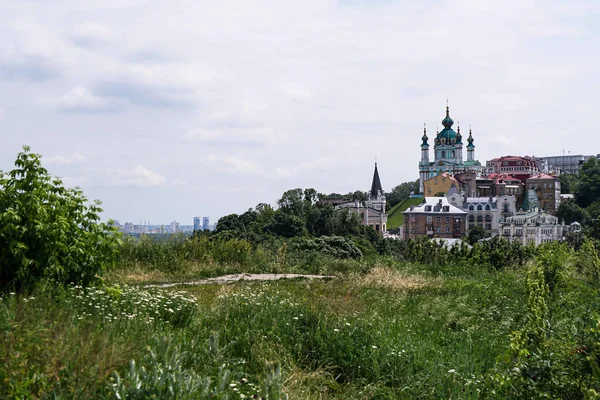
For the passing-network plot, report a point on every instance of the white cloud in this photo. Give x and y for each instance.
(89, 34)
(139, 176)
(232, 165)
(2, 113)
(73, 181)
(75, 158)
(80, 100)
(505, 140)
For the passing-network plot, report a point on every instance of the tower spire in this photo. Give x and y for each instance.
(376, 184)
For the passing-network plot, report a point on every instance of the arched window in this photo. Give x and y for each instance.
(453, 154)
(479, 207)
(479, 218)
(471, 218)
(488, 207)
(443, 153)
(471, 207)
(506, 206)
(488, 218)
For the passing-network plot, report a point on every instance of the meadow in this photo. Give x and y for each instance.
(420, 321)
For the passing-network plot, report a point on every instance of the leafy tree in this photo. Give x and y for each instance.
(292, 202)
(569, 212)
(401, 192)
(229, 222)
(569, 183)
(475, 234)
(48, 231)
(589, 183)
(286, 225)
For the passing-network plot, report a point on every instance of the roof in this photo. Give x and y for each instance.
(542, 176)
(437, 205)
(444, 175)
(376, 185)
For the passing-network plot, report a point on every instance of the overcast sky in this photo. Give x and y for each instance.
(173, 109)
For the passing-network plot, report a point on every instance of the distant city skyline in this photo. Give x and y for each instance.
(232, 103)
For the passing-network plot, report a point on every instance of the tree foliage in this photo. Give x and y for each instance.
(588, 190)
(401, 192)
(48, 231)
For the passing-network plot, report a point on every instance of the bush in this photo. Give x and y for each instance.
(48, 231)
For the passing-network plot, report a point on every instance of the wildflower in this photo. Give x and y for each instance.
(232, 385)
(451, 371)
(336, 330)
(295, 318)
(374, 347)
(347, 323)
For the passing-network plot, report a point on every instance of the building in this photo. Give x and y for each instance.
(487, 212)
(372, 212)
(517, 166)
(197, 225)
(566, 164)
(174, 225)
(547, 189)
(439, 184)
(531, 225)
(205, 224)
(448, 153)
(434, 218)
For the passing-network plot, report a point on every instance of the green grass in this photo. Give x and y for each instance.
(395, 216)
(391, 331)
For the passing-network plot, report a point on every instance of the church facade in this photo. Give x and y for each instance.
(448, 153)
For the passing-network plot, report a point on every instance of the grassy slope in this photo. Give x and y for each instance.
(395, 217)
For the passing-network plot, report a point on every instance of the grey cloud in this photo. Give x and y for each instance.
(143, 94)
(32, 67)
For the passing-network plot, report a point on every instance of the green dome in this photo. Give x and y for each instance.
(447, 135)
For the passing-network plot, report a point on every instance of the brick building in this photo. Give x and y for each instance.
(434, 218)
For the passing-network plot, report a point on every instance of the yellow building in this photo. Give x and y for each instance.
(439, 184)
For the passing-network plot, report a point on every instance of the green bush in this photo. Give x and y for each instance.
(48, 231)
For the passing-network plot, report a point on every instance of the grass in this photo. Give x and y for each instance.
(395, 216)
(393, 330)
(351, 337)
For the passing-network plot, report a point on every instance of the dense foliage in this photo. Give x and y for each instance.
(48, 231)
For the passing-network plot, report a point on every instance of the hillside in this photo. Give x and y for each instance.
(395, 216)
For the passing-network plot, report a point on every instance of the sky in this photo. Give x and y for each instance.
(170, 110)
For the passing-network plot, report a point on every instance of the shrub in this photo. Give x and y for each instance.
(48, 231)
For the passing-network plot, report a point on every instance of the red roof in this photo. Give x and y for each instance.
(543, 176)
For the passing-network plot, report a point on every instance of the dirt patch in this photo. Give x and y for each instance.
(397, 280)
(239, 277)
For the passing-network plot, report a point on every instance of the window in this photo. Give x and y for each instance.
(443, 153)
(471, 218)
(488, 207)
(429, 218)
(488, 218)
(488, 227)
(438, 219)
(437, 228)
(471, 207)
(427, 208)
(479, 207)
(447, 219)
(446, 208)
(447, 229)
(479, 218)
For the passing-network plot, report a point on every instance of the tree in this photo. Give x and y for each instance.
(569, 212)
(401, 192)
(475, 234)
(589, 183)
(49, 232)
(569, 183)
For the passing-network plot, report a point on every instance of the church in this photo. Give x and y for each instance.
(448, 153)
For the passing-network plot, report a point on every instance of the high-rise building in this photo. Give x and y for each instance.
(197, 225)
(204, 223)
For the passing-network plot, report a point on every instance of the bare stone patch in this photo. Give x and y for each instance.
(239, 277)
